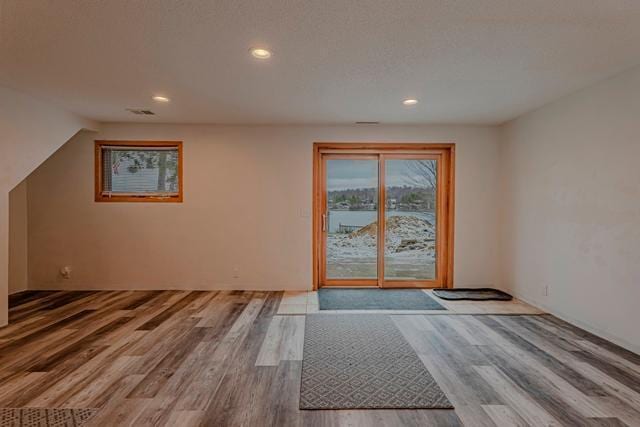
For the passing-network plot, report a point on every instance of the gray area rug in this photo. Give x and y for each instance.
(363, 362)
(44, 417)
(472, 294)
(376, 299)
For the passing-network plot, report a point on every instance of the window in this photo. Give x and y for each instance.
(383, 214)
(138, 171)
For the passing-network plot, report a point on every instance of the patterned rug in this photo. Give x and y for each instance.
(44, 417)
(376, 299)
(363, 362)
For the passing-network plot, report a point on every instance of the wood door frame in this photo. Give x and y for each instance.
(323, 202)
(445, 197)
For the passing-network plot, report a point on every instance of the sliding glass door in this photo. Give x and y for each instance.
(410, 217)
(350, 219)
(383, 217)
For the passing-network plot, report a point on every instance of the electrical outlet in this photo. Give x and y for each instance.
(65, 272)
(236, 273)
(545, 290)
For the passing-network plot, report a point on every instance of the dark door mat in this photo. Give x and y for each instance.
(472, 294)
(362, 361)
(376, 299)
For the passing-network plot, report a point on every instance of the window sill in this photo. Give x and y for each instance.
(138, 199)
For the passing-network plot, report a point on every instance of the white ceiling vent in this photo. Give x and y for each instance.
(141, 112)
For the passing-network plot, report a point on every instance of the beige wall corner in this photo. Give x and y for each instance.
(18, 236)
(4, 256)
(30, 131)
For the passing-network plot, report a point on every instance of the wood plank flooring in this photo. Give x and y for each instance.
(180, 358)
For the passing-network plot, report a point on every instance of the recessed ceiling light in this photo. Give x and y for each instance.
(410, 101)
(160, 98)
(260, 53)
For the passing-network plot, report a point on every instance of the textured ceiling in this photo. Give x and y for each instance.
(334, 61)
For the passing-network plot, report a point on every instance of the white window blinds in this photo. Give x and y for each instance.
(140, 171)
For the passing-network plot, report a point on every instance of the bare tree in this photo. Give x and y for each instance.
(162, 171)
(422, 173)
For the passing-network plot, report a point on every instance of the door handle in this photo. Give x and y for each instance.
(324, 222)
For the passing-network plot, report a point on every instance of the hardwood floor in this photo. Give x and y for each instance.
(227, 358)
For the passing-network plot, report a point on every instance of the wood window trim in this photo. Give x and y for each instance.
(446, 149)
(100, 197)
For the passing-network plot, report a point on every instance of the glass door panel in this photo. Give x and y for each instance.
(350, 218)
(382, 217)
(410, 219)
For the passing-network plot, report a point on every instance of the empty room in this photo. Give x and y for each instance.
(319, 213)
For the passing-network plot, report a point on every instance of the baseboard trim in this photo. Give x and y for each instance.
(576, 322)
(217, 287)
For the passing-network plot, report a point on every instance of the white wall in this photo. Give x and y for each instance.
(30, 131)
(571, 208)
(18, 238)
(245, 188)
